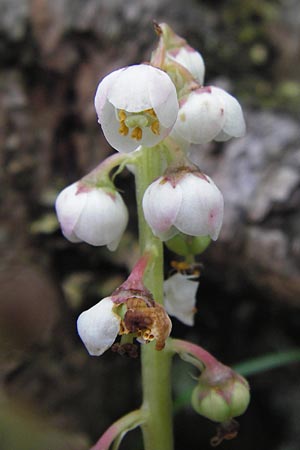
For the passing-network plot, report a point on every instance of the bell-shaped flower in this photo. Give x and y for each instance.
(98, 327)
(207, 114)
(136, 105)
(185, 201)
(191, 60)
(180, 297)
(94, 215)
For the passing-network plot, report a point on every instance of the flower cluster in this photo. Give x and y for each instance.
(163, 106)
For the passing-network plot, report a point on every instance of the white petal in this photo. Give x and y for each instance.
(161, 203)
(102, 90)
(130, 92)
(201, 211)
(69, 205)
(163, 97)
(98, 327)
(180, 298)
(234, 124)
(103, 219)
(222, 137)
(201, 117)
(191, 60)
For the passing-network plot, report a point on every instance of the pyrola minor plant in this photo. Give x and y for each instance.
(151, 114)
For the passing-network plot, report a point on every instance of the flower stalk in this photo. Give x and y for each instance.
(118, 430)
(156, 366)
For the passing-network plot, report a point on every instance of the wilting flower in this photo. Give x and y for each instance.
(207, 114)
(98, 327)
(180, 297)
(190, 59)
(97, 216)
(136, 105)
(185, 201)
(130, 310)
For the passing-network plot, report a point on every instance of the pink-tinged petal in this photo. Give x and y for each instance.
(161, 204)
(180, 297)
(69, 205)
(102, 90)
(234, 124)
(98, 327)
(103, 219)
(201, 211)
(200, 118)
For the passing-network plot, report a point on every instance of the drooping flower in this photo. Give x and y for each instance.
(136, 105)
(207, 114)
(180, 297)
(98, 327)
(94, 215)
(191, 60)
(184, 201)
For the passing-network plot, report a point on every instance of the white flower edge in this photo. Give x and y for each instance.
(180, 297)
(93, 215)
(194, 206)
(98, 327)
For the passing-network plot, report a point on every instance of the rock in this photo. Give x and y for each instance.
(259, 176)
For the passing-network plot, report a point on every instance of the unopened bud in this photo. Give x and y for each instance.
(221, 397)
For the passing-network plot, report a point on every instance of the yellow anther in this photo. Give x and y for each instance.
(151, 112)
(155, 127)
(137, 133)
(122, 115)
(123, 130)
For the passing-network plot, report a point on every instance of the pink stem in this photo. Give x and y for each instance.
(198, 352)
(106, 166)
(126, 423)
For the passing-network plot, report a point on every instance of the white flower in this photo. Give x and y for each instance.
(191, 60)
(188, 202)
(207, 114)
(180, 297)
(97, 216)
(98, 327)
(136, 105)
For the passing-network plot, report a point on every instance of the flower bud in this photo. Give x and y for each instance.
(184, 201)
(177, 49)
(97, 216)
(136, 105)
(222, 396)
(191, 60)
(209, 113)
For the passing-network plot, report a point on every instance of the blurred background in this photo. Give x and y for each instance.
(52, 55)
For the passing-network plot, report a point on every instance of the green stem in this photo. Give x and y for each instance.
(156, 365)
